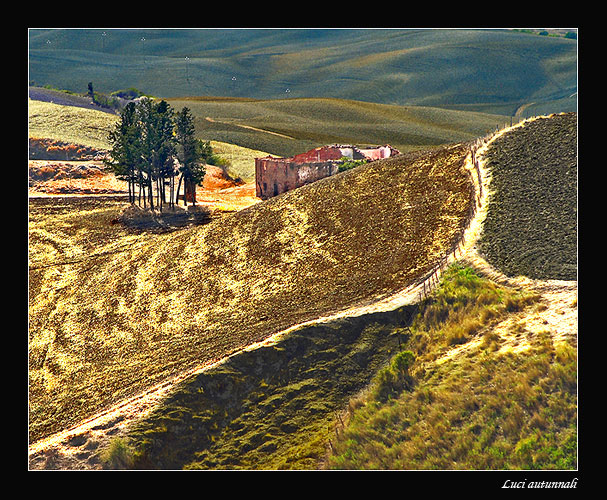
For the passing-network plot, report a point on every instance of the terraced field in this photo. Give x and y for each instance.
(159, 304)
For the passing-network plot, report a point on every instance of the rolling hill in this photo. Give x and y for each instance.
(493, 385)
(286, 127)
(112, 312)
(493, 71)
(282, 127)
(171, 301)
(154, 305)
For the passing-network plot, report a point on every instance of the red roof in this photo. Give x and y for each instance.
(324, 153)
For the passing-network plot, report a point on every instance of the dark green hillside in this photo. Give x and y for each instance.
(494, 71)
(273, 407)
(289, 126)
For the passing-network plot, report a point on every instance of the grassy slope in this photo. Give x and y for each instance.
(282, 406)
(156, 305)
(494, 71)
(314, 122)
(271, 408)
(70, 124)
(492, 408)
(241, 160)
(488, 409)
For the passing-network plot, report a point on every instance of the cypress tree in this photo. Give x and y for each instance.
(189, 155)
(124, 160)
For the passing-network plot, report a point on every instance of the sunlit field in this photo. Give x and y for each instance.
(113, 312)
(87, 127)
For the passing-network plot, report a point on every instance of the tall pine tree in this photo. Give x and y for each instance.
(158, 146)
(148, 143)
(125, 154)
(189, 155)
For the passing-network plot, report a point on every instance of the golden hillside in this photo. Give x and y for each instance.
(111, 322)
(87, 127)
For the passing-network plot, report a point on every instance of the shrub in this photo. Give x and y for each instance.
(393, 379)
(105, 101)
(402, 362)
(349, 164)
(130, 93)
(118, 455)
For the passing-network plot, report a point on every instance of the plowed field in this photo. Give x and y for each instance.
(531, 224)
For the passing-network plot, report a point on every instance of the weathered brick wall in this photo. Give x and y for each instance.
(274, 176)
(326, 153)
(278, 175)
(378, 153)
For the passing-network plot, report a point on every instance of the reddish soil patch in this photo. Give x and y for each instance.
(56, 178)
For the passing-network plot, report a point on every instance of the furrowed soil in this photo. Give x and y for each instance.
(531, 223)
(113, 315)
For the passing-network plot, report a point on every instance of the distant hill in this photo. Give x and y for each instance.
(290, 126)
(494, 71)
(281, 127)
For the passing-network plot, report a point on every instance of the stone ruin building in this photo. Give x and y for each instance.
(274, 176)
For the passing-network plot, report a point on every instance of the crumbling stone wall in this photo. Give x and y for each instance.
(274, 176)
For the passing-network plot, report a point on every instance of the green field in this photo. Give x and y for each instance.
(491, 70)
(309, 123)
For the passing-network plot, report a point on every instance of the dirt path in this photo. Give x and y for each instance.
(209, 119)
(555, 312)
(519, 111)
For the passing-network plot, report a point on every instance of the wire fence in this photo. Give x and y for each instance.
(430, 280)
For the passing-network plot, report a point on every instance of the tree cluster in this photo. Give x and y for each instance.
(152, 146)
